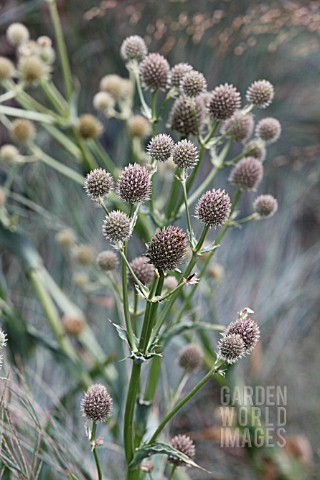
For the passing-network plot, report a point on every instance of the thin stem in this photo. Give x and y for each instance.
(94, 450)
(54, 96)
(185, 198)
(150, 315)
(172, 472)
(128, 433)
(29, 115)
(154, 118)
(173, 196)
(145, 108)
(102, 155)
(212, 132)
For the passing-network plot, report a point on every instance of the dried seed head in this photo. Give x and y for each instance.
(31, 69)
(73, 324)
(248, 330)
(213, 207)
(17, 34)
(103, 101)
(8, 153)
(193, 84)
(98, 184)
(239, 126)
(83, 254)
(96, 404)
(185, 445)
(170, 282)
(117, 226)
(154, 71)
(185, 154)
(257, 149)
(133, 48)
(183, 113)
(225, 100)
(265, 205)
(260, 93)
(89, 126)
(143, 270)
(6, 69)
(112, 84)
(167, 248)
(231, 348)
(247, 174)
(178, 72)
(138, 126)
(134, 184)
(22, 131)
(107, 260)
(269, 129)
(190, 357)
(160, 147)
(3, 339)
(65, 238)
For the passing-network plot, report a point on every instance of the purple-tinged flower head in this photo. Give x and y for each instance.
(98, 184)
(22, 131)
(190, 357)
(134, 184)
(117, 226)
(143, 270)
(239, 126)
(155, 72)
(193, 84)
(187, 115)
(73, 324)
(107, 260)
(168, 248)
(160, 147)
(225, 100)
(248, 330)
(257, 149)
(265, 205)
(213, 207)
(231, 348)
(170, 282)
(260, 93)
(185, 445)
(17, 33)
(96, 404)
(268, 129)
(89, 126)
(178, 72)
(185, 154)
(133, 48)
(247, 174)
(6, 69)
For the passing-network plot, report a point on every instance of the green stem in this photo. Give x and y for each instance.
(154, 118)
(56, 99)
(172, 472)
(151, 311)
(29, 115)
(133, 391)
(94, 449)
(102, 155)
(185, 198)
(173, 196)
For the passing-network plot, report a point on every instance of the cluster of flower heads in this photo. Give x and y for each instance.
(3, 343)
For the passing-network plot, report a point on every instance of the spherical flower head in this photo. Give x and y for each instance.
(117, 226)
(190, 358)
(170, 282)
(98, 184)
(178, 72)
(17, 33)
(103, 101)
(160, 147)
(112, 84)
(225, 100)
(81, 280)
(73, 324)
(31, 69)
(6, 69)
(216, 272)
(168, 248)
(107, 260)
(154, 71)
(3, 339)
(143, 270)
(247, 174)
(248, 330)
(134, 184)
(65, 238)
(239, 126)
(22, 131)
(138, 126)
(260, 93)
(8, 153)
(231, 348)
(213, 207)
(83, 254)
(185, 445)
(257, 149)
(187, 115)
(185, 154)
(89, 126)
(269, 129)
(133, 48)
(96, 404)
(265, 205)
(193, 84)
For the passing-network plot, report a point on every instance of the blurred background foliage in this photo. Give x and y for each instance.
(272, 266)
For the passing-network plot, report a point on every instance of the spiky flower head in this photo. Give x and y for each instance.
(107, 260)
(265, 205)
(3, 339)
(6, 69)
(239, 126)
(190, 357)
(193, 84)
(17, 33)
(247, 174)
(168, 248)
(89, 126)
(117, 226)
(103, 101)
(114, 85)
(138, 126)
(185, 154)
(133, 48)
(134, 184)
(31, 69)
(178, 72)
(73, 324)
(256, 149)
(83, 254)
(98, 184)
(8, 153)
(160, 147)
(143, 270)
(22, 131)
(170, 282)
(231, 348)
(96, 404)
(213, 207)
(154, 71)
(187, 115)
(185, 445)
(269, 129)
(225, 100)
(248, 330)
(260, 93)
(65, 237)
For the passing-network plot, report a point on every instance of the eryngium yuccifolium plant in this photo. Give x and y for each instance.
(138, 126)
(193, 83)
(247, 174)
(98, 184)
(6, 69)
(31, 69)
(155, 71)
(225, 100)
(134, 184)
(83, 254)
(117, 226)
(143, 270)
(260, 93)
(89, 126)
(160, 147)
(103, 101)
(22, 131)
(96, 404)
(73, 324)
(17, 33)
(133, 48)
(231, 348)
(190, 358)
(107, 260)
(8, 153)
(248, 330)
(170, 282)
(213, 207)
(185, 445)
(65, 238)
(256, 149)
(187, 115)
(168, 248)
(265, 205)
(178, 72)
(239, 126)
(268, 129)
(185, 154)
